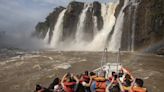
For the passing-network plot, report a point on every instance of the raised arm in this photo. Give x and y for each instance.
(88, 84)
(76, 79)
(120, 85)
(109, 85)
(62, 81)
(127, 72)
(132, 85)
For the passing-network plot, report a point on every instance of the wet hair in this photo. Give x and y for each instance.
(38, 87)
(139, 82)
(68, 75)
(120, 74)
(56, 81)
(86, 73)
(92, 73)
(113, 73)
(78, 76)
(128, 83)
(115, 77)
(115, 88)
(127, 76)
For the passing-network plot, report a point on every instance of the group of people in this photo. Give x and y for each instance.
(122, 81)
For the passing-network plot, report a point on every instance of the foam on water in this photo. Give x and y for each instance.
(64, 66)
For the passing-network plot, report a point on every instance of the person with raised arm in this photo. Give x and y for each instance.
(137, 86)
(69, 82)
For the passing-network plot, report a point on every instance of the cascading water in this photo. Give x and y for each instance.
(58, 29)
(100, 39)
(95, 29)
(104, 11)
(46, 39)
(80, 35)
(135, 4)
(115, 42)
(106, 37)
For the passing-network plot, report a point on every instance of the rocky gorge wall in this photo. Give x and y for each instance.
(71, 19)
(143, 25)
(146, 20)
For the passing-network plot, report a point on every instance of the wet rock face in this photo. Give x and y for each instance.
(71, 18)
(42, 27)
(89, 24)
(150, 27)
(97, 13)
(129, 26)
(52, 19)
(149, 24)
(118, 8)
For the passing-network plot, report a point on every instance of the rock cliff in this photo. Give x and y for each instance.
(143, 25)
(146, 20)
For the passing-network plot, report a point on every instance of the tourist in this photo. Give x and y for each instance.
(69, 82)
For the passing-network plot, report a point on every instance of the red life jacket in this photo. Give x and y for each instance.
(68, 86)
(86, 78)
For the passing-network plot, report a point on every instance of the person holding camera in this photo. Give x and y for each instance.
(69, 82)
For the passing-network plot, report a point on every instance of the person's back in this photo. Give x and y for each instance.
(138, 89)
(115, 88)
(126, 85)
(69, 82)
(56, 81)
(99, 83)
(139, 86)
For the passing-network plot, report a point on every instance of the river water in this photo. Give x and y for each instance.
(21, 72)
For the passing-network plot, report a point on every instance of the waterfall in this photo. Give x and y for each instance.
(109, 36)
(103, 11)
(135, 4)
(58, 29)
(95, 29)
(46, 39)
(81, 25)
(115, 42)
(99, 41)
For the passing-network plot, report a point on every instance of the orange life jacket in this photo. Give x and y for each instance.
(100, 84)
(99, 79)
(138, 89)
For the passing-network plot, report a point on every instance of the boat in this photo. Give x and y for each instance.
(109, 67)
(113, 76)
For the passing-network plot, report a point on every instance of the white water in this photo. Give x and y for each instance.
(115, 42)
(135, 4)
(58, 29)
(46, 39)
(100, 39)
(80, 34)
(95, 29)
